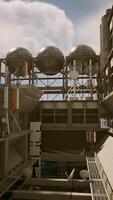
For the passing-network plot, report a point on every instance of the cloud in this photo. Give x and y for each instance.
(33, 25)
(88, 29)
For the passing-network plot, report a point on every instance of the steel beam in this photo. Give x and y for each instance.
(57, 183)
(47, 195)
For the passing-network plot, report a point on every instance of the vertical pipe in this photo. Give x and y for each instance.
(6, 99)
(0, 71)
(90, 76)
(74, 68)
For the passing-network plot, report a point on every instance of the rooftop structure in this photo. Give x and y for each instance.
(55, 116)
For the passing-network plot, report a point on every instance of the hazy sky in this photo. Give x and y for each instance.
(63, 23)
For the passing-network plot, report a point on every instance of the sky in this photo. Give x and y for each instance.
(38, 23)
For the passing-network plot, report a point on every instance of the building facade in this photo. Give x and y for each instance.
(106, 54)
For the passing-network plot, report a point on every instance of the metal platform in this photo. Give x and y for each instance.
(7, 183)
(43, 188)
(97, 187)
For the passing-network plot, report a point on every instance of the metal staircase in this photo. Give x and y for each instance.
(97, 187)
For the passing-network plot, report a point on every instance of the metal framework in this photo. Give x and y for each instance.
(56, 87)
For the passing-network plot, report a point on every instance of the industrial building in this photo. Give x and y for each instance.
(56, 122)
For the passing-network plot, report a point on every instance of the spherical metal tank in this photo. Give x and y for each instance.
(50, 60)
(18, 61)
(82, 54)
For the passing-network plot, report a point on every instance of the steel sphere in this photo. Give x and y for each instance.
(50, 60)
(82, 54)
(16, 60)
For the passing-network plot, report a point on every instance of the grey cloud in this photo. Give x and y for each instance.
(34, 25)
(90, 27)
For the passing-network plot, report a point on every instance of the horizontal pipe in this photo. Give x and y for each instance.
(47, 195)
(57, 183)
